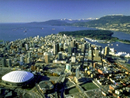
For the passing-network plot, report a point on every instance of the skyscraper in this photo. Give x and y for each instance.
(3, 62)
(21, 60)
(69, 50)
(106, 51)
(73, 59)
(26, 47)
(68, 67)
(59, 55)
(9, 62)
(77, 72)
(47, 57)
(72, 43)
(56, 48)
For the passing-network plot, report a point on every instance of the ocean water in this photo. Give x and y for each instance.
(11, 32)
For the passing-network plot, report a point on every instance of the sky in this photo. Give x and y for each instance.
(43, 10)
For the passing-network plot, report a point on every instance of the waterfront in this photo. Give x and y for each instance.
(11, 32)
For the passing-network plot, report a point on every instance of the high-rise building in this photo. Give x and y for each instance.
(72, 43)
(29, 54)
(77, 72)
(47, 57)
(3, 61)
(90, 54)
(68, 67)
(89, 46)
(21, 60)
(74, 50)
(83, 48)
(56, 48)
(73, 59)
(107, 51)
(97, 57)
(26, 47)
(69, 50)
(9, 62)
(60, 46)
(59, 55)
(28, 60)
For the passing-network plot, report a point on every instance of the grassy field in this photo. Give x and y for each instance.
(89, 86)
(71, 91)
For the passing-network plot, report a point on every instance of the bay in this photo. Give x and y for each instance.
(11, 32)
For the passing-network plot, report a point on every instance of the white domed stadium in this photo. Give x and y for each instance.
(18, 78)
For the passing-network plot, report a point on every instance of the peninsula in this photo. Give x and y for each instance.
(95, 34)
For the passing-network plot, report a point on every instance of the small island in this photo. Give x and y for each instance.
(105, 35)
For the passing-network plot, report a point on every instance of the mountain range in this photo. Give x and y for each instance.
(109, 22)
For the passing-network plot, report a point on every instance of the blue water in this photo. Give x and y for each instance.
(11, 32)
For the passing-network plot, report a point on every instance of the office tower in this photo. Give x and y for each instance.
(89, 46)
(69, 50)
(90, 53)
(3, 61)
(59, 55)
(100, 49)
(21, 60)
(28, 60)
(60, 46)
(47, 57)
(83, 48)
(73, 59)
(77, 72)
(76, 45)
(29, 54)
(74, 50)
(106, 51)
(72, 43)
(64, 46)
(26, 47)
(9, 62)
(56, 48)
(68, 67)
(97, 57)
(86, 45)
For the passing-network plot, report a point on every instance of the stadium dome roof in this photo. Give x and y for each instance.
(17, 76)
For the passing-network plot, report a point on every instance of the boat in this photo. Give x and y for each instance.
(24, 31)
(53, 28)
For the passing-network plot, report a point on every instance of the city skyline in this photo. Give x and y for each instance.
(43, 10)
